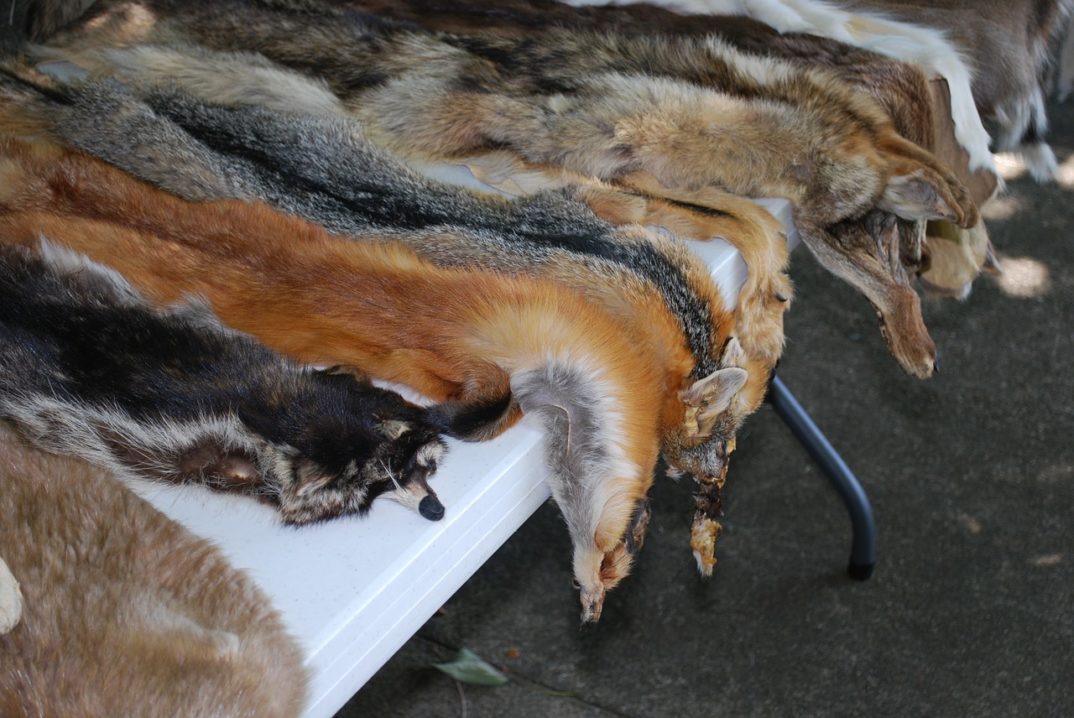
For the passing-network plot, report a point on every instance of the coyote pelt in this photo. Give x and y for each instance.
(915, 43)
(450, 334)
(588, 102)
(124, 611)
(900, 88)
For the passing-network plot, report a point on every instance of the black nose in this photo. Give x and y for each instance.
(431, 508)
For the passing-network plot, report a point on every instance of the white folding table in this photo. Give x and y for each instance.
(353, 590)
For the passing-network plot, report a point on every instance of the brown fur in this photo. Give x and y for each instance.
(1009, 45)
(856, 159)
(449, 334)
(125, 612)
(901, 89)
(762, 300)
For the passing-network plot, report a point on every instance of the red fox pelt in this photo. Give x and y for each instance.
(123, 611)
(612, 392)
(588, 103)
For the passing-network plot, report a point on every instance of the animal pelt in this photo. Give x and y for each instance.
(587, 103)
(612, 391)
(320, 168)
(901, 89)
(915, 43)
(1009, 45)
(993, 55)
(323, 168)
(124, 611)
(87, 367)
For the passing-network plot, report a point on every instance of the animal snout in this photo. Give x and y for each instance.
(431, 508)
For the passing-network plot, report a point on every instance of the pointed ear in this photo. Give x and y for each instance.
(713, 394)
(733, 354)
(918, 195)
(710, 397)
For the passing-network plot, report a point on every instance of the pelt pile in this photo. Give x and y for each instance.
(221, 219)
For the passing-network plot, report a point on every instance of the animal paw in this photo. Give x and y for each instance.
(703, 536)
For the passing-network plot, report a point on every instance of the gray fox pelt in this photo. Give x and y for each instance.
(87, 367)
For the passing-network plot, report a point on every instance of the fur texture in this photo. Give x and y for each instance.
(319, 168)
(451, 334)
(125, 612)
(1009, 44)
(323, 169)
(992, 54)
(916, 43)
(88, 368)
(901, 89)
(584, 106)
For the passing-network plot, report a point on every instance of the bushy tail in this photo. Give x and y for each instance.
(477, 420)
(45, 18)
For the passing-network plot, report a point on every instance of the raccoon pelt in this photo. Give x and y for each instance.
(87, 367)
(450, 334)
(125, 612)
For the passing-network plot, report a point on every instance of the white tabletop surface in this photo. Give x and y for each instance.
(354, 590)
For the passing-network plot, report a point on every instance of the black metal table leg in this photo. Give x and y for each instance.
(863, 551)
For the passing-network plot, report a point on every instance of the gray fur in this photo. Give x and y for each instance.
(323, 169)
